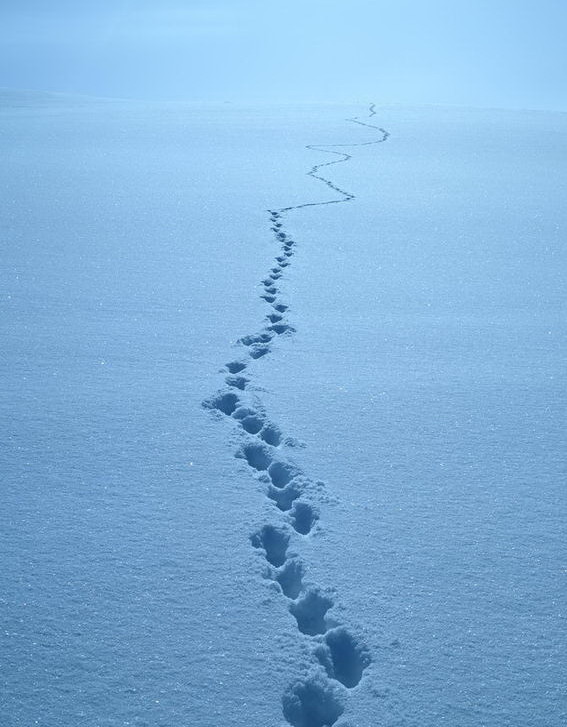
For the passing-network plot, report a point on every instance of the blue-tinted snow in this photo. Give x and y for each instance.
(152, 577)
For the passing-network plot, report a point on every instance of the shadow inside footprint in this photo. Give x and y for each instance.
(225, 402)
(252, 424)
(241, 412)
(281, 473)
(310, 612)
(312, 703)
(235, 367)
(255, 338)
(280, 328)
(259, 351)
(272, 435)
(303, 517)
(343, 657)
(274, 542)
(284, 498)
(257, 456)
(290, 578)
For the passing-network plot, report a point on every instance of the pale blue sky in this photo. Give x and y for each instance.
(509, 53)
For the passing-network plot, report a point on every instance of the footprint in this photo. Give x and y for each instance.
(312, 702)
(281, 473)
(256, 338)
(271, 434)
(274, 542)
(272, 290)
(280, 328)
(281, 308)
(226, 402)
(252, 424)
(285, 497)
(235, 367)
(303, 517)
(259, 351)
(290, 578)
(268, 298)
(243, 411)
(237, 382)
(274, 317)
(310, 611)
(343, 657)
(257, 456)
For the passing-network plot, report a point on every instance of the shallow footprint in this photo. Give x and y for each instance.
(237, 382)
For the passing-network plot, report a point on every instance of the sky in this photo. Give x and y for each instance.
(491, 53)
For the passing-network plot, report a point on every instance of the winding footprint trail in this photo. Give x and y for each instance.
(317, 698)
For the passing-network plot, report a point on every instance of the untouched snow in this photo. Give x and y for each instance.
(362, 526)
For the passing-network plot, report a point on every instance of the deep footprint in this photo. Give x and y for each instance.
(224, 402)
(281, 473)
(252, 424)
(303, 517)
(272, 435)
(274, 542)
(257, 456)
(312, 703)
(343, 657)
(310, 612)
(290, 578)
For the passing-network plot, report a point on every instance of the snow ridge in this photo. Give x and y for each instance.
(318, 698)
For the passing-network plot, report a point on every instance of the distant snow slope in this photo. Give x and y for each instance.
(294, 467)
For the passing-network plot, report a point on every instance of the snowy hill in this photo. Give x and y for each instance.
(284, 394)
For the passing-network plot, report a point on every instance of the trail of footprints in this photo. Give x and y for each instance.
(316, 699)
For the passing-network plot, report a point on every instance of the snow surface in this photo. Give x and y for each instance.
(362, 526)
